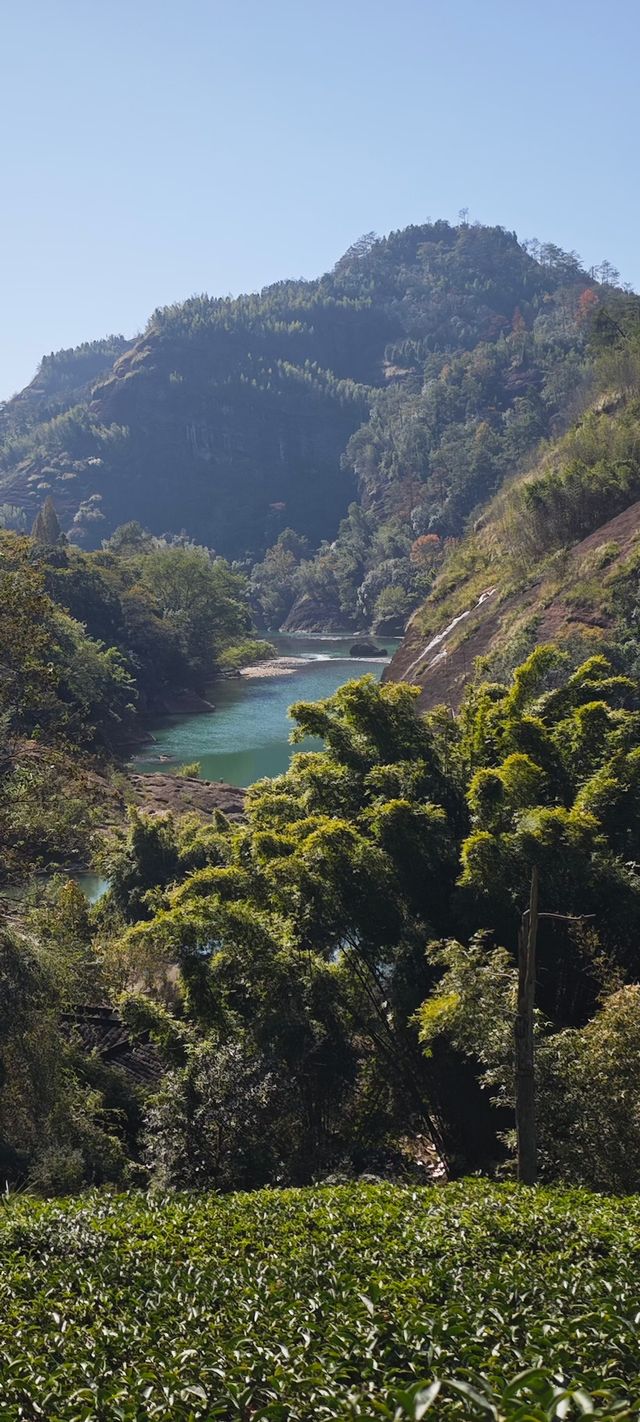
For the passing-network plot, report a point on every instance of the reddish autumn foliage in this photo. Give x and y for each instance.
(587, 304)
(518, 322)
(426, 548)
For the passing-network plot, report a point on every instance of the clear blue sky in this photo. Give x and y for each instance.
(154, 148)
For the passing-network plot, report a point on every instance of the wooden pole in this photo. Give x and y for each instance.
(524, 1039)
(524, 1052)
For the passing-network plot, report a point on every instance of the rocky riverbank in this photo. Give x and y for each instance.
(275, 666)
(181, 794)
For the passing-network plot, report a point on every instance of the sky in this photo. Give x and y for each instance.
(156, 148)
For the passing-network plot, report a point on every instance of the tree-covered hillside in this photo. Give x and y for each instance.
(407, 383)
(554, 555)
(328, 984)
(88, 642)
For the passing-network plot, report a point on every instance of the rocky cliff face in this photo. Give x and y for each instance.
(247, 456)
(442, 662)
(310, 614)
(220, 421)
(562, 605)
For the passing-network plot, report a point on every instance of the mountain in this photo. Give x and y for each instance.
(256, 397)
(554, 557)
(404, 385)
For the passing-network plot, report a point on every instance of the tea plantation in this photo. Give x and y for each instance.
(365, 1301)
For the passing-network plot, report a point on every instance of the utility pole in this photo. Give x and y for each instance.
(524, 1061)
(525, 1081)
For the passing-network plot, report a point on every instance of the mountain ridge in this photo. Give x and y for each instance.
(369, 412)
(363, 323)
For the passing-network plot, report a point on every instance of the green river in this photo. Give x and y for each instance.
(247, 736)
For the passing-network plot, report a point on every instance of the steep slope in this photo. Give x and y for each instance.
(32, 429)
(64, 378)
(544, 562)
(445, 351)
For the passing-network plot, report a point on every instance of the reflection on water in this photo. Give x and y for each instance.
(93, 886)
(246, 737)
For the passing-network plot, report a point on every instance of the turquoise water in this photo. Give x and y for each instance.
(246, 737)
(93, 885)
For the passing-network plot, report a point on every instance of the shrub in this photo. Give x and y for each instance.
(190, 771)
(244, 654)
(332, 1303)
(219, 1121)
(589, 1098)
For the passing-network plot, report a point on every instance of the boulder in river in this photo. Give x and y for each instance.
(367, 649)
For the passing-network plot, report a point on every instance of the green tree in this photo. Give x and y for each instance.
(202, 600)
(552, 804)
(55, 1130)
(304, 926)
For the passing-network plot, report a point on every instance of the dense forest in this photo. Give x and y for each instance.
(323, 983)
(91, 643)
(338, 995)
(327, 985)
(332, 435)
(553, 555)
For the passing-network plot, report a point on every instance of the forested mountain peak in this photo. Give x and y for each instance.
(62, 377)
(406, 382)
